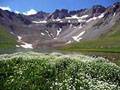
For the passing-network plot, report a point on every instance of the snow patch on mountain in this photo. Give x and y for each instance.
(5, 8)
(68, 42)
(101, 16)
(95, 18)
(76, 17)
(17, 46)
(17, 12)
(59, 31)
(78, 37)
(24, 44)
(58, 19)
(80, 20)
(30, 12)
(72, 17)
(38, 22)
(48, 33)
(12, 33)
(42, 34)
(91, 19)
(84, 16)
(19, 38)
(27, 45)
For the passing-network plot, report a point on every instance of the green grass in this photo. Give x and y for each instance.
(6, 39)
(35, 71)
(109, 42)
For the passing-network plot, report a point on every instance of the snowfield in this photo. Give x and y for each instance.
(24, 44)
(38, 22)
(78, 37)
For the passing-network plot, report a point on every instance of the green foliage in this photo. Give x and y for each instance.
(6, 39)
(35, 71)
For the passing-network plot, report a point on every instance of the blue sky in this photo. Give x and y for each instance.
(51, 5)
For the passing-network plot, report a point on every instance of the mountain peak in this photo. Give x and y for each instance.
(59, 14)
(60, 27)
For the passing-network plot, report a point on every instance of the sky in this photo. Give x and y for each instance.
(32, 6)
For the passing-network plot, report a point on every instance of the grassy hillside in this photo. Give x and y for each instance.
(34, 71)
(109, 42)
(7, 41)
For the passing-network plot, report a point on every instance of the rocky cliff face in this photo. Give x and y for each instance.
(60, 27)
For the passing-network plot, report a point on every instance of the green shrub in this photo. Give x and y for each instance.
(35, 71)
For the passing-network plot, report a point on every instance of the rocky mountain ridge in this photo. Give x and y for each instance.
(60, 27)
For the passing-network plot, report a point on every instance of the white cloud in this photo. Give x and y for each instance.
(30, 12)
(5, 8)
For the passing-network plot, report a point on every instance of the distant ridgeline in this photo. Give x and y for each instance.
(61, 28)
